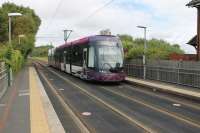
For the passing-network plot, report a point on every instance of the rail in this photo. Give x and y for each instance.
(176, 75)
(4, 78)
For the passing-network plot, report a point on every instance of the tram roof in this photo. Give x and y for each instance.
(86, 40)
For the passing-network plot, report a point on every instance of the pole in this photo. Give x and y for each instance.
(144, 56)
(9, 30)
(198, 34)
(144, 52)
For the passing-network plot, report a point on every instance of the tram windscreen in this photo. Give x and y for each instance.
(110, 55)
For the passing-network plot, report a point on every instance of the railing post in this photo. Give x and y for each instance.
(128, 69)
(144, 67)
(10, 78)
(178, 76)
(8, 74)
(158, 74)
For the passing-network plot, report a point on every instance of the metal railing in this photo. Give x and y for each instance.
(4, 78)
(174, 74)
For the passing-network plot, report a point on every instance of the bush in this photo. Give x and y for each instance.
(12, 57)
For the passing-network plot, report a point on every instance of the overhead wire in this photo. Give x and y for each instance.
(93, 13)
(55, 12)
(85, 19)
(96, 11)
(52, 19)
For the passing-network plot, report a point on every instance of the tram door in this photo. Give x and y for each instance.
(64, 58)
(84, 60)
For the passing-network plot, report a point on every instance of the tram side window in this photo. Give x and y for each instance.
(56, 56)
(67, 57)
(77, 56)
(61, 56)
(91, 57)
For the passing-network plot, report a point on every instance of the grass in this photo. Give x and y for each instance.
(45, 59)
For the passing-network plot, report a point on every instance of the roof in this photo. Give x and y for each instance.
(76, 42)
(194, 3)
(86, 40)
(193, 41)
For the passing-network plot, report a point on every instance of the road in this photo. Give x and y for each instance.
(84, 106)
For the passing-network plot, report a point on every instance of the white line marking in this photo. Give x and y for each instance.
(177, 105)
(24, 94)
(86, 113)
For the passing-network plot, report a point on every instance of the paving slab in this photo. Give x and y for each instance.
(179, 90)
(26, 108)
(14, 110)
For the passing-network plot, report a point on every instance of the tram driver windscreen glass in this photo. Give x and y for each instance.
(110, 56)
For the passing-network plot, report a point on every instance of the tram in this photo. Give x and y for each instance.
(98, 58)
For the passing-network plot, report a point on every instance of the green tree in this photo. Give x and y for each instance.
(156, 49)
(127, 41)
(28, 25)
(41, 51)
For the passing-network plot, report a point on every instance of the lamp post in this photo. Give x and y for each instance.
(10, 15)
(19, 38)
(145, 48)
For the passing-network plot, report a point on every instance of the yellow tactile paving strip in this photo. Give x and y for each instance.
(38, 120)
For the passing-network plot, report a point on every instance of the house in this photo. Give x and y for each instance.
(182, 57)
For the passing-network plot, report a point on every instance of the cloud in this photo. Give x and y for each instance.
(169, 20)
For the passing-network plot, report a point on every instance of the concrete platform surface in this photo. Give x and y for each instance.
(175, 89)
(26, 108)
(14, 106)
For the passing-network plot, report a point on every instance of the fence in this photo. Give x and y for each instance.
(4, 78)
(178, 72)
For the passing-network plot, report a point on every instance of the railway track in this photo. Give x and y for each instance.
(111, 97)
(81, 124)
(83, 127)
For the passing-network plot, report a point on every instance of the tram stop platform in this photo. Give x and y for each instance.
(192, 93)
(26, 108)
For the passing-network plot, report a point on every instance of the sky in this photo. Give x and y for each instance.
(170, 20)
